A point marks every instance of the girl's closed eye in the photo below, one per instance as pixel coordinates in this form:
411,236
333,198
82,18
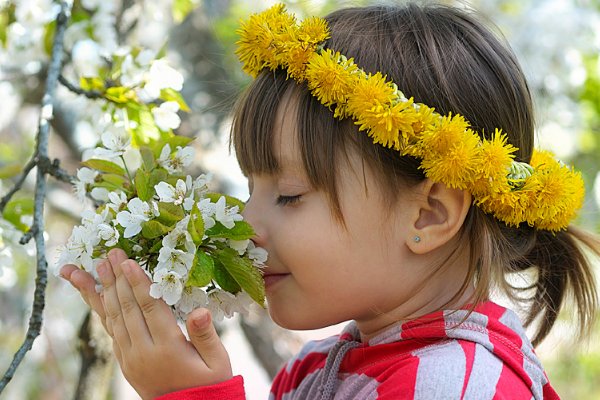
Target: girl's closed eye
288,200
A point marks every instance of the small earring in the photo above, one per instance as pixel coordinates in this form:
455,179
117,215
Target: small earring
417,238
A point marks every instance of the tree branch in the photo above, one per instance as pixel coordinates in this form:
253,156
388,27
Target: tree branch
36,318
90,94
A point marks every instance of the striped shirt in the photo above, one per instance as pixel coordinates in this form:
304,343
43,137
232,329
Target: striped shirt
443,355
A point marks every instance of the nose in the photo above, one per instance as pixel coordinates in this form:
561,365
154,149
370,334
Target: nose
254,216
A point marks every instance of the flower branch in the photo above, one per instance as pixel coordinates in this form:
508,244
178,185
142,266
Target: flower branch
36,318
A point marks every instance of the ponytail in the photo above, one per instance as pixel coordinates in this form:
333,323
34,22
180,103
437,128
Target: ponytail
564,270
557,267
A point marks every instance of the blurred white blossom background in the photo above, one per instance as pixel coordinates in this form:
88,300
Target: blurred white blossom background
187,46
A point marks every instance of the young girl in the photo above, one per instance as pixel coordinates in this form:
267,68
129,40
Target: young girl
383,208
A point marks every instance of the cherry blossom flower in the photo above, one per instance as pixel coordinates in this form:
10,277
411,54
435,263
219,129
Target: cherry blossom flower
175,260
115,143
170,194
174,163
239,245
162,76
167,285
165,116
108,233
139,212
226,215
207,210
85,177
191,298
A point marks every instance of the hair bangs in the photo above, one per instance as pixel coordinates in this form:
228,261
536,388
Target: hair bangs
254,121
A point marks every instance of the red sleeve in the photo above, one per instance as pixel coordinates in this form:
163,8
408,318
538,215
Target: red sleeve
233,389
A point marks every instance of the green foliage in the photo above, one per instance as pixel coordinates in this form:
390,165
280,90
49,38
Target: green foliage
241,231
154,228
17,208
170,214
104,166
202,271
196,226
242,271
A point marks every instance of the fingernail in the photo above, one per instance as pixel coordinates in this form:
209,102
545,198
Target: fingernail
202,321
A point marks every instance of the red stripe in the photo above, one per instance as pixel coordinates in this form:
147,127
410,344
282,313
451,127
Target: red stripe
469,350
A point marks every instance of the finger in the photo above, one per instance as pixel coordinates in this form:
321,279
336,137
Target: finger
204,337
159,318
112,306
132,313
107,322
116,256
86,285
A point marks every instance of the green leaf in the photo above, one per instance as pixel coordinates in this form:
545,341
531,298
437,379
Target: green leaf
104,166
247,276
169,94
145,132
242,230
153,228
196,226
170,214
202,271
117,180
91,84
224,278
119,94
49,32
158,175
15,209
177,140
229,200
148,160
144,191
10,170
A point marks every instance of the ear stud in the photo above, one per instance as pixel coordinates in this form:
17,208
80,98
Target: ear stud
417,239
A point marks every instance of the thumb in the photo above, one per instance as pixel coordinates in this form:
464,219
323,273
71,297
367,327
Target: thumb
204,338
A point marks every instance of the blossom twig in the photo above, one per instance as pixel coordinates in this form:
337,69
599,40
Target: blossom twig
35,321
6,198
90,94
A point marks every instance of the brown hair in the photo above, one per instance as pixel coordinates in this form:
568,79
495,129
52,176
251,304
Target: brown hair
445,58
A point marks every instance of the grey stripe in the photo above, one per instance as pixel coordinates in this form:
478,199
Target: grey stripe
484,375
357,387
441,371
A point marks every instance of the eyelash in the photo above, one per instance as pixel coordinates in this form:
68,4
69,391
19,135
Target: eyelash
288,200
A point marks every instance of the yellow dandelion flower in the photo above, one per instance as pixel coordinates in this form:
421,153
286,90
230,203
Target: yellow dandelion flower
259,35
559,192
426,118
457,166
299,56
496,157
313,30
371,91
330,76
388,125
442,134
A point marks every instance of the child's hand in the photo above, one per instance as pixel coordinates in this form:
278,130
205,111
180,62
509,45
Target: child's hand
154,355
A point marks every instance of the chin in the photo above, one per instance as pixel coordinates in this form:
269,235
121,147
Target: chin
297,323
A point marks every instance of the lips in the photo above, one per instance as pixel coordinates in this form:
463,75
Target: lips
271,279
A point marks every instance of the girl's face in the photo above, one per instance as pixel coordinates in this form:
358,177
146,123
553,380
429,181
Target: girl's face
320,272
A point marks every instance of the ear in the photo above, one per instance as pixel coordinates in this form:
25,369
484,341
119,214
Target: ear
440,213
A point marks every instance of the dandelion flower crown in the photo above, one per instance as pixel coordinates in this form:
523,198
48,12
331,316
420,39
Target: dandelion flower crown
545,193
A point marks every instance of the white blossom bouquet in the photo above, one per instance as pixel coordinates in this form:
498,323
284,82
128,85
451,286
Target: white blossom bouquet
193,244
